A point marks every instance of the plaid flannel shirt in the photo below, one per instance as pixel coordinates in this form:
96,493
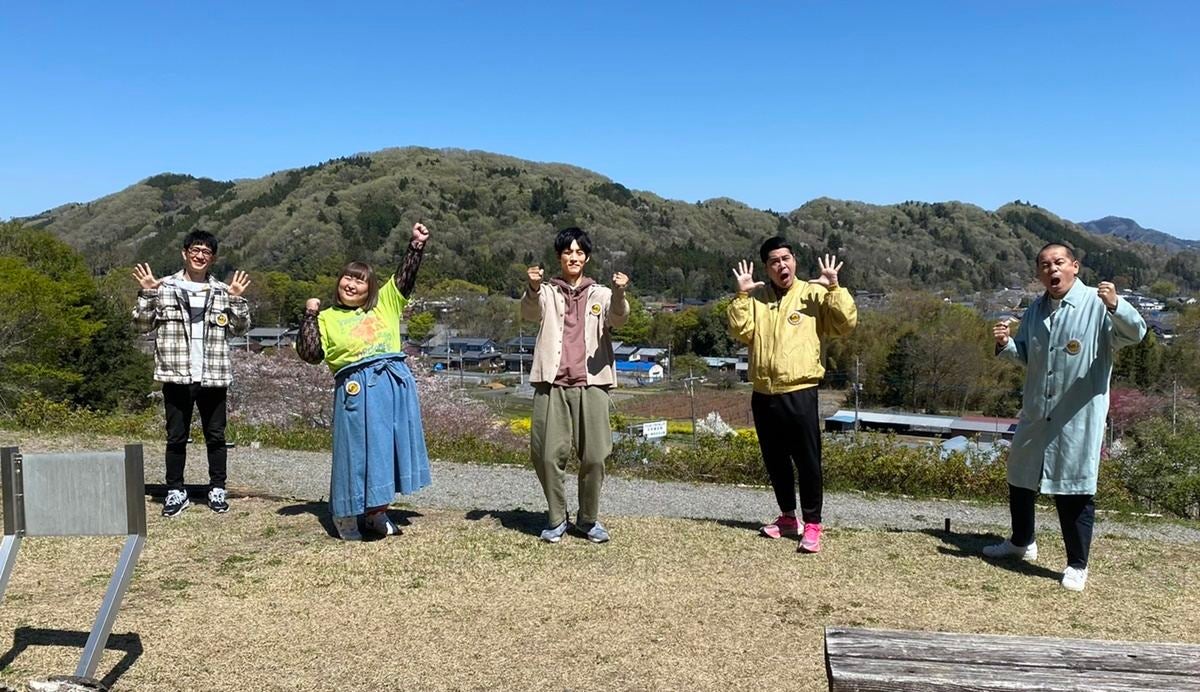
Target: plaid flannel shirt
166,308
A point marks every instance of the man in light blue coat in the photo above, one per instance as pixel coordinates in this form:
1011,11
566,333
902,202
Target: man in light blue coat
1067,341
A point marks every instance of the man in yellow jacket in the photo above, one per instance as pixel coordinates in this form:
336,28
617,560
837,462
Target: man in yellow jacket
784,323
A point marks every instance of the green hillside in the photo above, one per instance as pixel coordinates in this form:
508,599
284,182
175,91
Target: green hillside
492,215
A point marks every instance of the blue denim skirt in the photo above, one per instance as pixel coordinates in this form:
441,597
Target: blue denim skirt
378,442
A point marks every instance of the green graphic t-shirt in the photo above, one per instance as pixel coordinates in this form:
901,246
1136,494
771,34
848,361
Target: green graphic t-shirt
349,335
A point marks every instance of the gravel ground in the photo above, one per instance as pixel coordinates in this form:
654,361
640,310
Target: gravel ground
305,475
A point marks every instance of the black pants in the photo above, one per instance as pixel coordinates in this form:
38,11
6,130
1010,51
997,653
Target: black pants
178,399
789,432
1076,516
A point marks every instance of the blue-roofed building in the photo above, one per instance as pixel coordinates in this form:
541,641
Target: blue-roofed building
640,372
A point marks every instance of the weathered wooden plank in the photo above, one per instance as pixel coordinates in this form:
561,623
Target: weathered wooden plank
1049,653
879,675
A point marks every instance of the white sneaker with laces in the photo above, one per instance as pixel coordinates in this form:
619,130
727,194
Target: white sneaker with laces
347,528
381,523
176,502
1074,579
1008,550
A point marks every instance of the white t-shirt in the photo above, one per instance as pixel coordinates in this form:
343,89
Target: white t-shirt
197,294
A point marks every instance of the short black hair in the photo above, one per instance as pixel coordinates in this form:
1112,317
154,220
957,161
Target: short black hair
562,241
204,238
1070,250
773,244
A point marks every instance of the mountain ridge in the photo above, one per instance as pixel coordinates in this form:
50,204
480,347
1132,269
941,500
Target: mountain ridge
493,214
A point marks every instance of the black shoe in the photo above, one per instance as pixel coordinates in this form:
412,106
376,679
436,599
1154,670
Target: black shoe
217,501
177,501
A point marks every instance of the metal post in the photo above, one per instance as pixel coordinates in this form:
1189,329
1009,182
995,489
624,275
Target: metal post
117,586
14,514
9,548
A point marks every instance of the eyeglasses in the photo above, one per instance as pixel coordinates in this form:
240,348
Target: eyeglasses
200,251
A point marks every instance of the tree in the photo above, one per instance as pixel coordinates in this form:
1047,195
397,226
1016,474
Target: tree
114,374
1163,289
636,329
1141,364
48,298
421,325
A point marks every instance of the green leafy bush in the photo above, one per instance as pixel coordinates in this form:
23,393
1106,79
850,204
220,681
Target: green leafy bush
1162,467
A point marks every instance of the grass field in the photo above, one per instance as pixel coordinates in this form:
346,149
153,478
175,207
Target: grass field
263,599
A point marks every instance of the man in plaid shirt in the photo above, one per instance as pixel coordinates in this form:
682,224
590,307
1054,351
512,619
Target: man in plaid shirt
194,315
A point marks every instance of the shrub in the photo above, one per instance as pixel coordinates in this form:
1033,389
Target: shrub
1161,470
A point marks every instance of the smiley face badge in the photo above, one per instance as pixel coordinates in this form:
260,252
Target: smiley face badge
595,309
1073,347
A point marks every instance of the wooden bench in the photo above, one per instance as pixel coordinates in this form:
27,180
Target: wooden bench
862,660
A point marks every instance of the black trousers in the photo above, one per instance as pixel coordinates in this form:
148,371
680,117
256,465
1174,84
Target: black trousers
179,399
1076,516
789,435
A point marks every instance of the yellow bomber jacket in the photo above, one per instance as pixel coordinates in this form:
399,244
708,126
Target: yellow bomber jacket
784,334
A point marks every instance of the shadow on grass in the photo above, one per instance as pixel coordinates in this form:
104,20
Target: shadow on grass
522,520
970,545
320,510
751,526
25,637
195,491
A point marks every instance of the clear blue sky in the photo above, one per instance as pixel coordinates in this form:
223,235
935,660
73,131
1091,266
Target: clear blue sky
1085,108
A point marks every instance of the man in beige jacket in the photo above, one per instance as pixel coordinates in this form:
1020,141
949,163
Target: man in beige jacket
572,372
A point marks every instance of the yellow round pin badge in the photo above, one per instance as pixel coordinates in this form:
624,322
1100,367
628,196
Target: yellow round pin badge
596,309
353,388
1073,347
222,320
794,318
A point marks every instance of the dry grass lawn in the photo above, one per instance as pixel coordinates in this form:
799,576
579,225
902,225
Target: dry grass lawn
263,599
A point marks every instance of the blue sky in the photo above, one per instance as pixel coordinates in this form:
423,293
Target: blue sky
1085,108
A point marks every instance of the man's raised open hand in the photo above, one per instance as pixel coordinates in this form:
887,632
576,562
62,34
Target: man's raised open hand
829,268
744,275
241,280
145,277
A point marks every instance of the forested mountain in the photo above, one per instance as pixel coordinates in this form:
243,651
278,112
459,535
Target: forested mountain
492,215
1132,230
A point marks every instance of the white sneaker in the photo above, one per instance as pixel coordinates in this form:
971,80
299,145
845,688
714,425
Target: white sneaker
1008,550
347,528
1074,579
381,523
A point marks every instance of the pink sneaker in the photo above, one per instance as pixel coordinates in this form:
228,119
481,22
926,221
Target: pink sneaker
782,526
811,541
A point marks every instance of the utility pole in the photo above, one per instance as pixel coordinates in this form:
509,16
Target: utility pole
1174,396
690,382
857,389
460,368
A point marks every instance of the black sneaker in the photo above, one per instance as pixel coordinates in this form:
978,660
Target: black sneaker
177,501
217,501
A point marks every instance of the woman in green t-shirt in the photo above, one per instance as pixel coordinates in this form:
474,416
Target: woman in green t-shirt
378,442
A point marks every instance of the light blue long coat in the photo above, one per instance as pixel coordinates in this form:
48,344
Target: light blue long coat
1068,358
